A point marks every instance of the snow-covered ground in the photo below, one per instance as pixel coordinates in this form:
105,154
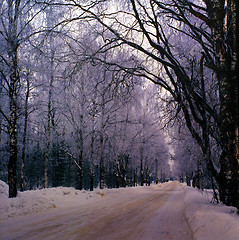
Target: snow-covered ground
168,211
42,200
210,221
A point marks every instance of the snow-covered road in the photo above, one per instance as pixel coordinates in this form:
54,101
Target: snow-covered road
155,212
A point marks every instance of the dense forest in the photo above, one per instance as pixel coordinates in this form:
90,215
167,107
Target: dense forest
119,93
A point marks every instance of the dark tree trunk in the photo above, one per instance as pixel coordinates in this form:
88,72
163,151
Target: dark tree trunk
12,165
12,41
237,91
117,173
124,163
91,181
226,75
91,158
102,174
141,167
188,178
102,164
48,134
156,171
80,162
135,177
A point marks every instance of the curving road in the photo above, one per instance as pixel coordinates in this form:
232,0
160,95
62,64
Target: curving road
148,213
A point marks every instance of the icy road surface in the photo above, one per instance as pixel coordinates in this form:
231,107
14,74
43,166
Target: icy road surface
155,212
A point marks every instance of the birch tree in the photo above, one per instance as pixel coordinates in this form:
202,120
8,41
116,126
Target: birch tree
16,16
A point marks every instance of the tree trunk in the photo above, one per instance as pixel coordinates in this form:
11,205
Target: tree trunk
156,171
81,148
237,87
48,133
102,165
124,164
91,157
117,173
141,167
135,177
12,41
91,180
223,35
12,165
47,153
22,184
50,22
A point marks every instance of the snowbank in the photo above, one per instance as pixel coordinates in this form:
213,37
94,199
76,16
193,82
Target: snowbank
210,221
61,197
41,200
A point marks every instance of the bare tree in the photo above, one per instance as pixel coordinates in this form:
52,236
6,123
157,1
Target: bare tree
16,17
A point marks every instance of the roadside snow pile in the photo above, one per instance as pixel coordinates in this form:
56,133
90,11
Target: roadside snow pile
40,200
3,189
209,221
25,202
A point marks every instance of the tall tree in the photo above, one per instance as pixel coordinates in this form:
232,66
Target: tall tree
24,141
16,17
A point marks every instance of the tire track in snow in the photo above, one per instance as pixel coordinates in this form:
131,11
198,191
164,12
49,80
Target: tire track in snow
159,215
152,213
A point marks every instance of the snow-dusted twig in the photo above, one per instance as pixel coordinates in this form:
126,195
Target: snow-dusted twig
74,159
